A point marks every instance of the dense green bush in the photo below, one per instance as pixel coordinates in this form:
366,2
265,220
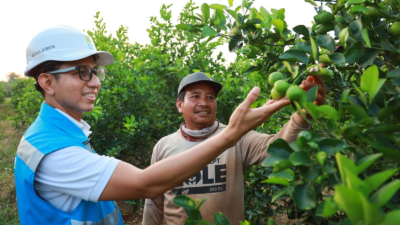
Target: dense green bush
2,94
26,102
352,151
349,160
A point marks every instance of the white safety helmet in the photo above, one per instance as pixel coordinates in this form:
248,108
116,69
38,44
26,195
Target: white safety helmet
62,43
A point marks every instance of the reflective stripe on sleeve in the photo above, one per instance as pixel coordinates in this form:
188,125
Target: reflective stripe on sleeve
29,154
110,219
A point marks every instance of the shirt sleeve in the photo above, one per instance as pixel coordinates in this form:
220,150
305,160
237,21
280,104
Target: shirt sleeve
154,208
254,145
76,172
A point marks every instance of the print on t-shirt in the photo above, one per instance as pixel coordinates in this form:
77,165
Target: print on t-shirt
211,179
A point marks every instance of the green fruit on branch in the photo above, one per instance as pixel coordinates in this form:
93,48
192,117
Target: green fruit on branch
235,31
321,157
273,77
281,86
324,17
319,70
277,65
394,30
339,19
324,58
277,95
372,12
323,28
294,93
271,222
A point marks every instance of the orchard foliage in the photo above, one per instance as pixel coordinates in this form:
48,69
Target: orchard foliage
349,160
343,171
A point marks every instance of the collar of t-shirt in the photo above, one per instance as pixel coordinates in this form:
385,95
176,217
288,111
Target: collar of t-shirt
82,124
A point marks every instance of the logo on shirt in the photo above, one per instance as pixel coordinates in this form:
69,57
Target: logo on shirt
211,179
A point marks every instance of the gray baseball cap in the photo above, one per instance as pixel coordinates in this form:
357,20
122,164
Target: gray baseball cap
197,78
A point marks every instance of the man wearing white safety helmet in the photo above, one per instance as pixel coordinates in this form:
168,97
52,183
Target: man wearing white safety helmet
59,179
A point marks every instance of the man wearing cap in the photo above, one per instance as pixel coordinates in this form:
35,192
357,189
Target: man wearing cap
221,181
59,178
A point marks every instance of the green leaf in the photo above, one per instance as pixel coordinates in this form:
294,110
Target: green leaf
367,161
283,174
394,73
312,109
349,201
288,66
314,48
208,31
331,146
378,179
359,8
385,193
184,26
369,80
326,41
343,36
278,194
279,24
300,158
366,37
381,82
354,54
234,15
344,95
304,196
346,166
355,29
301,29
391,218
220,219
276,180
205,9
278,151
352,2
202,222
356,111
218,6
338,58
230,2
396,82
282,165
368,57
195,214
390,152
185,202
311,2
330,208
312,94
327,112
190,221
385,128
296,55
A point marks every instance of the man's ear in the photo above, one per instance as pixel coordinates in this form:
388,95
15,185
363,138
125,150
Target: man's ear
179,106
46,81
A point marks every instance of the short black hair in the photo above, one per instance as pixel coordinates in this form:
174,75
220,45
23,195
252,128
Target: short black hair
46,67
181,96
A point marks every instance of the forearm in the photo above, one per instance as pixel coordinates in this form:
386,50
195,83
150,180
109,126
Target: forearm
129,182
172,171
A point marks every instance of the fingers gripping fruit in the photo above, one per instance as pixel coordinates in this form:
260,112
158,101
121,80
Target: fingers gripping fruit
273,77
294,93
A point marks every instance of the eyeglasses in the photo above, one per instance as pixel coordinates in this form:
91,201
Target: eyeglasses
85,72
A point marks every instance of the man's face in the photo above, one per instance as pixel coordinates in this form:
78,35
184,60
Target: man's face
199,106
73,95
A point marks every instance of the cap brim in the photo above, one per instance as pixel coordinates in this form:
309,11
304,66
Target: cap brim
104,59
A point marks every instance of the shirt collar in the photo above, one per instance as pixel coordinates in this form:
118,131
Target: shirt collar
85,127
